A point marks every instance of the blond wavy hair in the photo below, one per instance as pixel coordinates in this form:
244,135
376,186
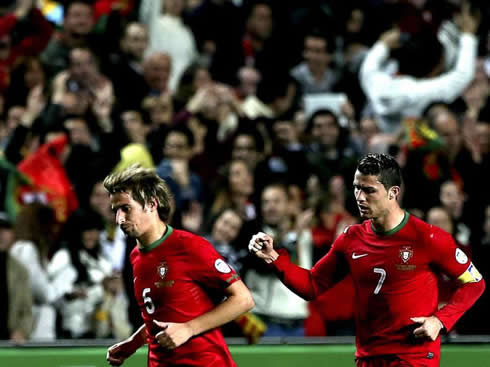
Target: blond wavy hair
143,184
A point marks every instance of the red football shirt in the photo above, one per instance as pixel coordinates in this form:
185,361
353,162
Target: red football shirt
174,280
395,278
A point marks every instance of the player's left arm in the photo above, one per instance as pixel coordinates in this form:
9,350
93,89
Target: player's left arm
210,269
454,263
239,300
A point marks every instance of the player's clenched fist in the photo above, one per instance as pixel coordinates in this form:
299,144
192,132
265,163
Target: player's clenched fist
261,245
119,352
172,334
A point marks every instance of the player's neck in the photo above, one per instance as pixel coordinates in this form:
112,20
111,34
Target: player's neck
391,220
157,232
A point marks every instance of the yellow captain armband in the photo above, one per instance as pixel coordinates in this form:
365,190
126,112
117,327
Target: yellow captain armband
471,275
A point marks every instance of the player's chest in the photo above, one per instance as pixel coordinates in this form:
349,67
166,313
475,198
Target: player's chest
397,259
161,273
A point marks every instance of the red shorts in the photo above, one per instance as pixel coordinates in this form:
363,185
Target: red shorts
401,360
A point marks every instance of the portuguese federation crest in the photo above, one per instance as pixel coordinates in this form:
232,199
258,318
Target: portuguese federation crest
406,253
162,269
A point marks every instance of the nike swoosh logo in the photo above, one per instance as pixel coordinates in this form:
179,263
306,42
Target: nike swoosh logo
354,256
134,279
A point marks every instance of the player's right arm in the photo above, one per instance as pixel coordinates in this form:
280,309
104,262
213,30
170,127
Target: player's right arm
307,284
118,353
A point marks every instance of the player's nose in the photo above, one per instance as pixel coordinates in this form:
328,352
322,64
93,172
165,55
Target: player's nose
120,218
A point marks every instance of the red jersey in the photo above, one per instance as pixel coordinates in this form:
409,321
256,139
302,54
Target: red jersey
174,279
395,278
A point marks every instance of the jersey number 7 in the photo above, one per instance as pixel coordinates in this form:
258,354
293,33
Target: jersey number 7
381,280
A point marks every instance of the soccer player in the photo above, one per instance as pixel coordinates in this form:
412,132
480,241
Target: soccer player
393,258
176,275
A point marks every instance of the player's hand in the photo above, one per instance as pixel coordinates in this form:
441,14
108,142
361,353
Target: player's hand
173,335
261,245
117,354
429,328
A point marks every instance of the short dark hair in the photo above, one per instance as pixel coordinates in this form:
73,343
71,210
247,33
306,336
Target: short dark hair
321,112
384,166
323,35
247,129
184,130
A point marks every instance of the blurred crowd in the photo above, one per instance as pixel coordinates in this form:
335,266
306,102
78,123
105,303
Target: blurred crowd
255,112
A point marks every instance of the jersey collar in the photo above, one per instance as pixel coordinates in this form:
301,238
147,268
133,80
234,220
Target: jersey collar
151,246
406,216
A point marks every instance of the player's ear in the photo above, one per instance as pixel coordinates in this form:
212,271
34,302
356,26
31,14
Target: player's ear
150,205
393,192
154,203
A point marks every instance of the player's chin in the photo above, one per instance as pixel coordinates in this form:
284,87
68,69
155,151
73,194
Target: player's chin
129,232
364,213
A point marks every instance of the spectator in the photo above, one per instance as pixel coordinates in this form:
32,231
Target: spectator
225,237
287,160
453,200
185,185
34,31
193,78
217,104
136,150
169,34
316,74
25,76
284,312
224,232
77,25
35,232
277,94
248,145
454,161
160,110
332,151
16,310
83,77
249,79
112,240
111,317
368,133
218,28
262,48
394,97
156,71
135,127
82,266
236,191
14,118
124,66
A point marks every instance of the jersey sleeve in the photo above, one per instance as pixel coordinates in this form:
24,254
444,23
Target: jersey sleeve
454,262
332,267
448,257
208,267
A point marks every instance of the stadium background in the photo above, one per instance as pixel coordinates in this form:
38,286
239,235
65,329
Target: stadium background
473,352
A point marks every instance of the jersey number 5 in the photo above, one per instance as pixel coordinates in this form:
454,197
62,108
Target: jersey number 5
150,307
381,280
